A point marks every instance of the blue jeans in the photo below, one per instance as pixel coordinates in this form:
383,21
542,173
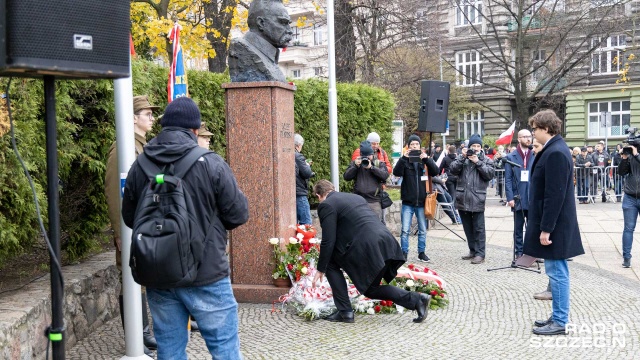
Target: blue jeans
214,308
303,211
558,273
406,217
630,210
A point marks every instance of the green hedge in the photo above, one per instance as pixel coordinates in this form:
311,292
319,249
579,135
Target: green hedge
86,129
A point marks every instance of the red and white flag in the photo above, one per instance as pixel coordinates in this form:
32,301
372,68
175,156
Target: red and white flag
506,137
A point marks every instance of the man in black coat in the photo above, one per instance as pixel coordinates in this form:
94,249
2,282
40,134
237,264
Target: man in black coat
354,240
552,231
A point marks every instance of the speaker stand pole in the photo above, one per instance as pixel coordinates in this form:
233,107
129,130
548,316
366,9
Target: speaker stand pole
56,332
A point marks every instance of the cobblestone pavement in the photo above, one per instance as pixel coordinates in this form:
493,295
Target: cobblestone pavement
490,316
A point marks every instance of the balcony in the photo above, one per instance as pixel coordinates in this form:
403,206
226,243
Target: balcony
533,23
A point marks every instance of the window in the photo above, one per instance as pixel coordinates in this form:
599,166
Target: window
540,69
318,71
318,35
469,68
606,58
296,74
296,34
620,118
468,12
471,123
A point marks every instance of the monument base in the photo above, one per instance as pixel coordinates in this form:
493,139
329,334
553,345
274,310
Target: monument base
257,294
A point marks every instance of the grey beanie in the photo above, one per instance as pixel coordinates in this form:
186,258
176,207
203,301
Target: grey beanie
182,112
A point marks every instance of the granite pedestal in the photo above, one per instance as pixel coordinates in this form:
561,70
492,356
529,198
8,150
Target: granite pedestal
260,152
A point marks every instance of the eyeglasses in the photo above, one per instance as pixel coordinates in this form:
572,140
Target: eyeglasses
533,129
524,137
149,115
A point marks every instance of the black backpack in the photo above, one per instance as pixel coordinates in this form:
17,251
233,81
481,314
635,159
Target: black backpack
167,241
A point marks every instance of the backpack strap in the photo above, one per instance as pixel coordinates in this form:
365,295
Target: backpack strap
182,166
149,167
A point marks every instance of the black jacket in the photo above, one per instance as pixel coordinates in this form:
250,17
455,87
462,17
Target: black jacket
368,182
552,205
631,167
354,238
413,189
473,180
213,190
303,173
445,164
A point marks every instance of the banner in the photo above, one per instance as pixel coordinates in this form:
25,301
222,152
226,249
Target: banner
506,137
177,86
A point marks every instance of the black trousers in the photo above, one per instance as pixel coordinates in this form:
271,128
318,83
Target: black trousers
519,217
402,297
473,225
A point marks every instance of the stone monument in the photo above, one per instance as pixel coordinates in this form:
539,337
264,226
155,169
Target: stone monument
260,150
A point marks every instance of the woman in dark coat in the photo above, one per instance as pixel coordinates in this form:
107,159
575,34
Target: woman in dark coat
552,229
354,240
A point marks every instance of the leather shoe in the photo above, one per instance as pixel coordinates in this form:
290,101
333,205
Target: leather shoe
148,352
422,308
541,323
543,295
341,316
148,339
550,329
194,326
469,256
477,260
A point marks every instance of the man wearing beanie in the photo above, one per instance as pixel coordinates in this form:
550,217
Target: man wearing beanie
369,174
374,139
218,205
413,193
142,123
474,171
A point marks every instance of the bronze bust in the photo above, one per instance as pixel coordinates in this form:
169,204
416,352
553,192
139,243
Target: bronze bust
254,57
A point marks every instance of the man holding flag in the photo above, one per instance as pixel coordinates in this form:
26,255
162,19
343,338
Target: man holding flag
177,86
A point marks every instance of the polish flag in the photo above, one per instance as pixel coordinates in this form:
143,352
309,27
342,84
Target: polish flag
506,137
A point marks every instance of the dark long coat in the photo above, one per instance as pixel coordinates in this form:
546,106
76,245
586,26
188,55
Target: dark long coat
356,240
512,180
552,206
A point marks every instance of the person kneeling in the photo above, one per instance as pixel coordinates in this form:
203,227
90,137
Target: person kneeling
366,256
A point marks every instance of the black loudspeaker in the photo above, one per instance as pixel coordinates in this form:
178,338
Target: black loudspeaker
434,106
65,38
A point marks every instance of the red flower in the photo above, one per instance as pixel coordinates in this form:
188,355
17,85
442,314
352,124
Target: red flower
289,267
411,266
389,303
377,308
434,293
441,295
426,270
383,302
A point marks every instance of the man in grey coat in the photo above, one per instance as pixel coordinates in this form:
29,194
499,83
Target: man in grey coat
474,171
367,256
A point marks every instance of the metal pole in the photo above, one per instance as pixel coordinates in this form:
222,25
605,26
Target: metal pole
56,334
333,98
444,138
125,144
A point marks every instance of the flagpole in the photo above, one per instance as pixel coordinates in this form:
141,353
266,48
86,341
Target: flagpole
333,98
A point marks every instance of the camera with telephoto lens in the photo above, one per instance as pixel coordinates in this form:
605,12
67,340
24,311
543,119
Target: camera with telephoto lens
470,152
632,139
364,161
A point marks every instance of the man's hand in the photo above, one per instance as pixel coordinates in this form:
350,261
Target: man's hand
511,203
358,161
544,238
317,277
473,158
368,166
118,243
423,155
587,164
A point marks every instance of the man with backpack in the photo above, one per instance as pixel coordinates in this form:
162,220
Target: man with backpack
180,200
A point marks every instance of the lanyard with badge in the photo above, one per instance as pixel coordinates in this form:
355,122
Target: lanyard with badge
524,173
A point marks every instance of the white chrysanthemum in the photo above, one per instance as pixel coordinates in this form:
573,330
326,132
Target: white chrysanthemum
293,240
274,241
300,236
313,241
410,282
370,311
304,270
400,309
361,308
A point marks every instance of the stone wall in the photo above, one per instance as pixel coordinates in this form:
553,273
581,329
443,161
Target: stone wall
91,299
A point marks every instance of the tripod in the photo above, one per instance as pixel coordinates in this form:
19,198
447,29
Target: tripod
528,259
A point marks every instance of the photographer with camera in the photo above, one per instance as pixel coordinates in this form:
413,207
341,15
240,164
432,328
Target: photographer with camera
411,166
303,174
474,171
369,174
630,166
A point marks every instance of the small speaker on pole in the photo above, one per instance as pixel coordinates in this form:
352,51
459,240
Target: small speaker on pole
69,39
434,106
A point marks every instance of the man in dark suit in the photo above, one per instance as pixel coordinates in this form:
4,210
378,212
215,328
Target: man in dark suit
552,230
354,240
517,187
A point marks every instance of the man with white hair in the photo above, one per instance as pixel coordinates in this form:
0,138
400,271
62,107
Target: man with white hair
303,174
374,139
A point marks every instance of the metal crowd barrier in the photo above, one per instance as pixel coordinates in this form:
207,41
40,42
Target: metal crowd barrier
496,189
595,184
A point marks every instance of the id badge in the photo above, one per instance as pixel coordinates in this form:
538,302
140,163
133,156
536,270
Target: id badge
524,176
595,171
424,178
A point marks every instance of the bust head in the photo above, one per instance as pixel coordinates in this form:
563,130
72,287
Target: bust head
270,19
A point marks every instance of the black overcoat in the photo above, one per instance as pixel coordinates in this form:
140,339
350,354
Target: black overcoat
356,240
552,206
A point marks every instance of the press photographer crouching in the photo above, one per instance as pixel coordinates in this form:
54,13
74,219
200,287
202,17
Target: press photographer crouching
474,171
630,166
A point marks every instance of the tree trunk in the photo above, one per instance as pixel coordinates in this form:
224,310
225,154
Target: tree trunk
345,42
218,64
220,21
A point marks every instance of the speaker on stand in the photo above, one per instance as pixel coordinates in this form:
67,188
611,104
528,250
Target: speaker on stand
68,39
